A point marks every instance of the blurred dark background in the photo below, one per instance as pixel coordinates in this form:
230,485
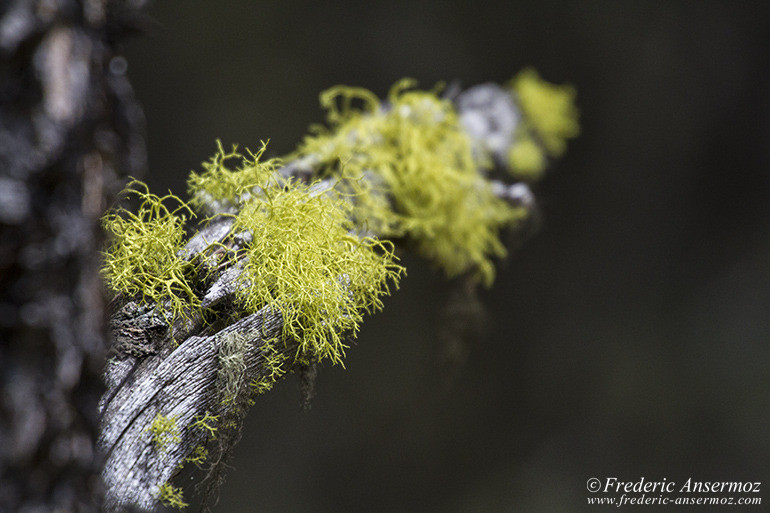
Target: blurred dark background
630,337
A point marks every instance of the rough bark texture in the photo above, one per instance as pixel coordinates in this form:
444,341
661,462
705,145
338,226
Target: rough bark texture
147,376
68,126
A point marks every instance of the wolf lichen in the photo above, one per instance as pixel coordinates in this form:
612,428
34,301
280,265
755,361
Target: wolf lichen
550,116
302,258
164,431
223,190
198,456
143,257
417,149
305,263
274,369
206,422
171,496
526,159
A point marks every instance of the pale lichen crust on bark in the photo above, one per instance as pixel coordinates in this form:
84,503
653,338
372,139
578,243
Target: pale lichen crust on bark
289,254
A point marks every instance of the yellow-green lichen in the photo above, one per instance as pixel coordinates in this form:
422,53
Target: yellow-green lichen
304,263
171,496
227,188
274,369
262,385
198,456
421,160
143,257
301,257
164,431
206,422
526,158
549,110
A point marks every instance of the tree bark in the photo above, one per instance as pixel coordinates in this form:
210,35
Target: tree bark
69,126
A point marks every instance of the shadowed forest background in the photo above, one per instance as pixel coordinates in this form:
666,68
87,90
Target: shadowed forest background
630,337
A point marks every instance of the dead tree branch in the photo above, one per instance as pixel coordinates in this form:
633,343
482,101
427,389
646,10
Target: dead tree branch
148,377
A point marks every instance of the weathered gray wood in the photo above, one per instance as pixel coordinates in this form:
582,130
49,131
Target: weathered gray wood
175,383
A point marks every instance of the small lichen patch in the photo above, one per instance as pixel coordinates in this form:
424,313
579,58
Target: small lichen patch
232,366
526,158
274,369
206,422
548,108
198,456
171,496
164,431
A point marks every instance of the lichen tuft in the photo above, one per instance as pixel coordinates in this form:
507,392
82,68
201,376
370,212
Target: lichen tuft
526,158
302,256
304,262
274,368
164,431
198,456
232,366
220,189
207,423
144,258
427,183
171,496
549,110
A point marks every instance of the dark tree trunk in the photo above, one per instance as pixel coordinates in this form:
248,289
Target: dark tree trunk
69,127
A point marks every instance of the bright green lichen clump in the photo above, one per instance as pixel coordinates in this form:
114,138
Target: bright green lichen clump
416,149
143,258
304,263
302,258
550,118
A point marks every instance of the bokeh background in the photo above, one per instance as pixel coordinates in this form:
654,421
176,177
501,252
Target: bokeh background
630,337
